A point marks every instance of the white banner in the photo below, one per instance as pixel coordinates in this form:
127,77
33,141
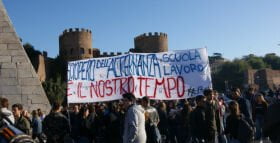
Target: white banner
163,76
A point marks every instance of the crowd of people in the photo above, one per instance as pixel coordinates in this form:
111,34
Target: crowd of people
239,117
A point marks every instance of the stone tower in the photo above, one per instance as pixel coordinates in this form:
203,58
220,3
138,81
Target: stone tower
150,43
19,82
76,44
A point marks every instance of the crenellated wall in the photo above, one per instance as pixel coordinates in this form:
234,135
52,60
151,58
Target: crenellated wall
110,54
150,43
76,44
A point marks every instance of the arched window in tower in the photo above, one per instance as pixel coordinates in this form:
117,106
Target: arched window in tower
82,51
71,51
89,51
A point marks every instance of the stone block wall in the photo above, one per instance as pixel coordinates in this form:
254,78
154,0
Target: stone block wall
264,78
18,79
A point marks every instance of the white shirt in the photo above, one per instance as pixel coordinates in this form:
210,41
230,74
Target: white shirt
9,115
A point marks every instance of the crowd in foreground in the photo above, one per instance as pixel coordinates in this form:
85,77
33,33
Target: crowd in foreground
208,118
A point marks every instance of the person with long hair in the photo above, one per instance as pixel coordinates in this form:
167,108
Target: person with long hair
259,110
163,124
239,128
271,126
36,125
232,122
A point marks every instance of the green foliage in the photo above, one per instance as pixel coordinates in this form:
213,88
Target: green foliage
215,57
32,54
55,89
272,60
55,85
57,67
255,62
230,72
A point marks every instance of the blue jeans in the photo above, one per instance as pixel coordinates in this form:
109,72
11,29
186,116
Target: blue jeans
222,139
259,124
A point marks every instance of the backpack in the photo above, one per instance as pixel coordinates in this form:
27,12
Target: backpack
245,130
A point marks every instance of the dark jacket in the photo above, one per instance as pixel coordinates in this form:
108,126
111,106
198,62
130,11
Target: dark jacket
212,120
245,107
198,123
113,132
84,127
259,110
163,125
183,129
272,122
56,127
232,123
75,124
23,124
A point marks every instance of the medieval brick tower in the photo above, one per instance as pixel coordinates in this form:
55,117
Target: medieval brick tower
150,43
76,44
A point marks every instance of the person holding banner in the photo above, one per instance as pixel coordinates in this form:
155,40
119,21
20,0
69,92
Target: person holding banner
134,123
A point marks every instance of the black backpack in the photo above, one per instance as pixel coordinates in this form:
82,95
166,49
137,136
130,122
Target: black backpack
245,130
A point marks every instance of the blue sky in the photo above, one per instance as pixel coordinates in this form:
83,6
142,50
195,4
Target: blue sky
232,27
